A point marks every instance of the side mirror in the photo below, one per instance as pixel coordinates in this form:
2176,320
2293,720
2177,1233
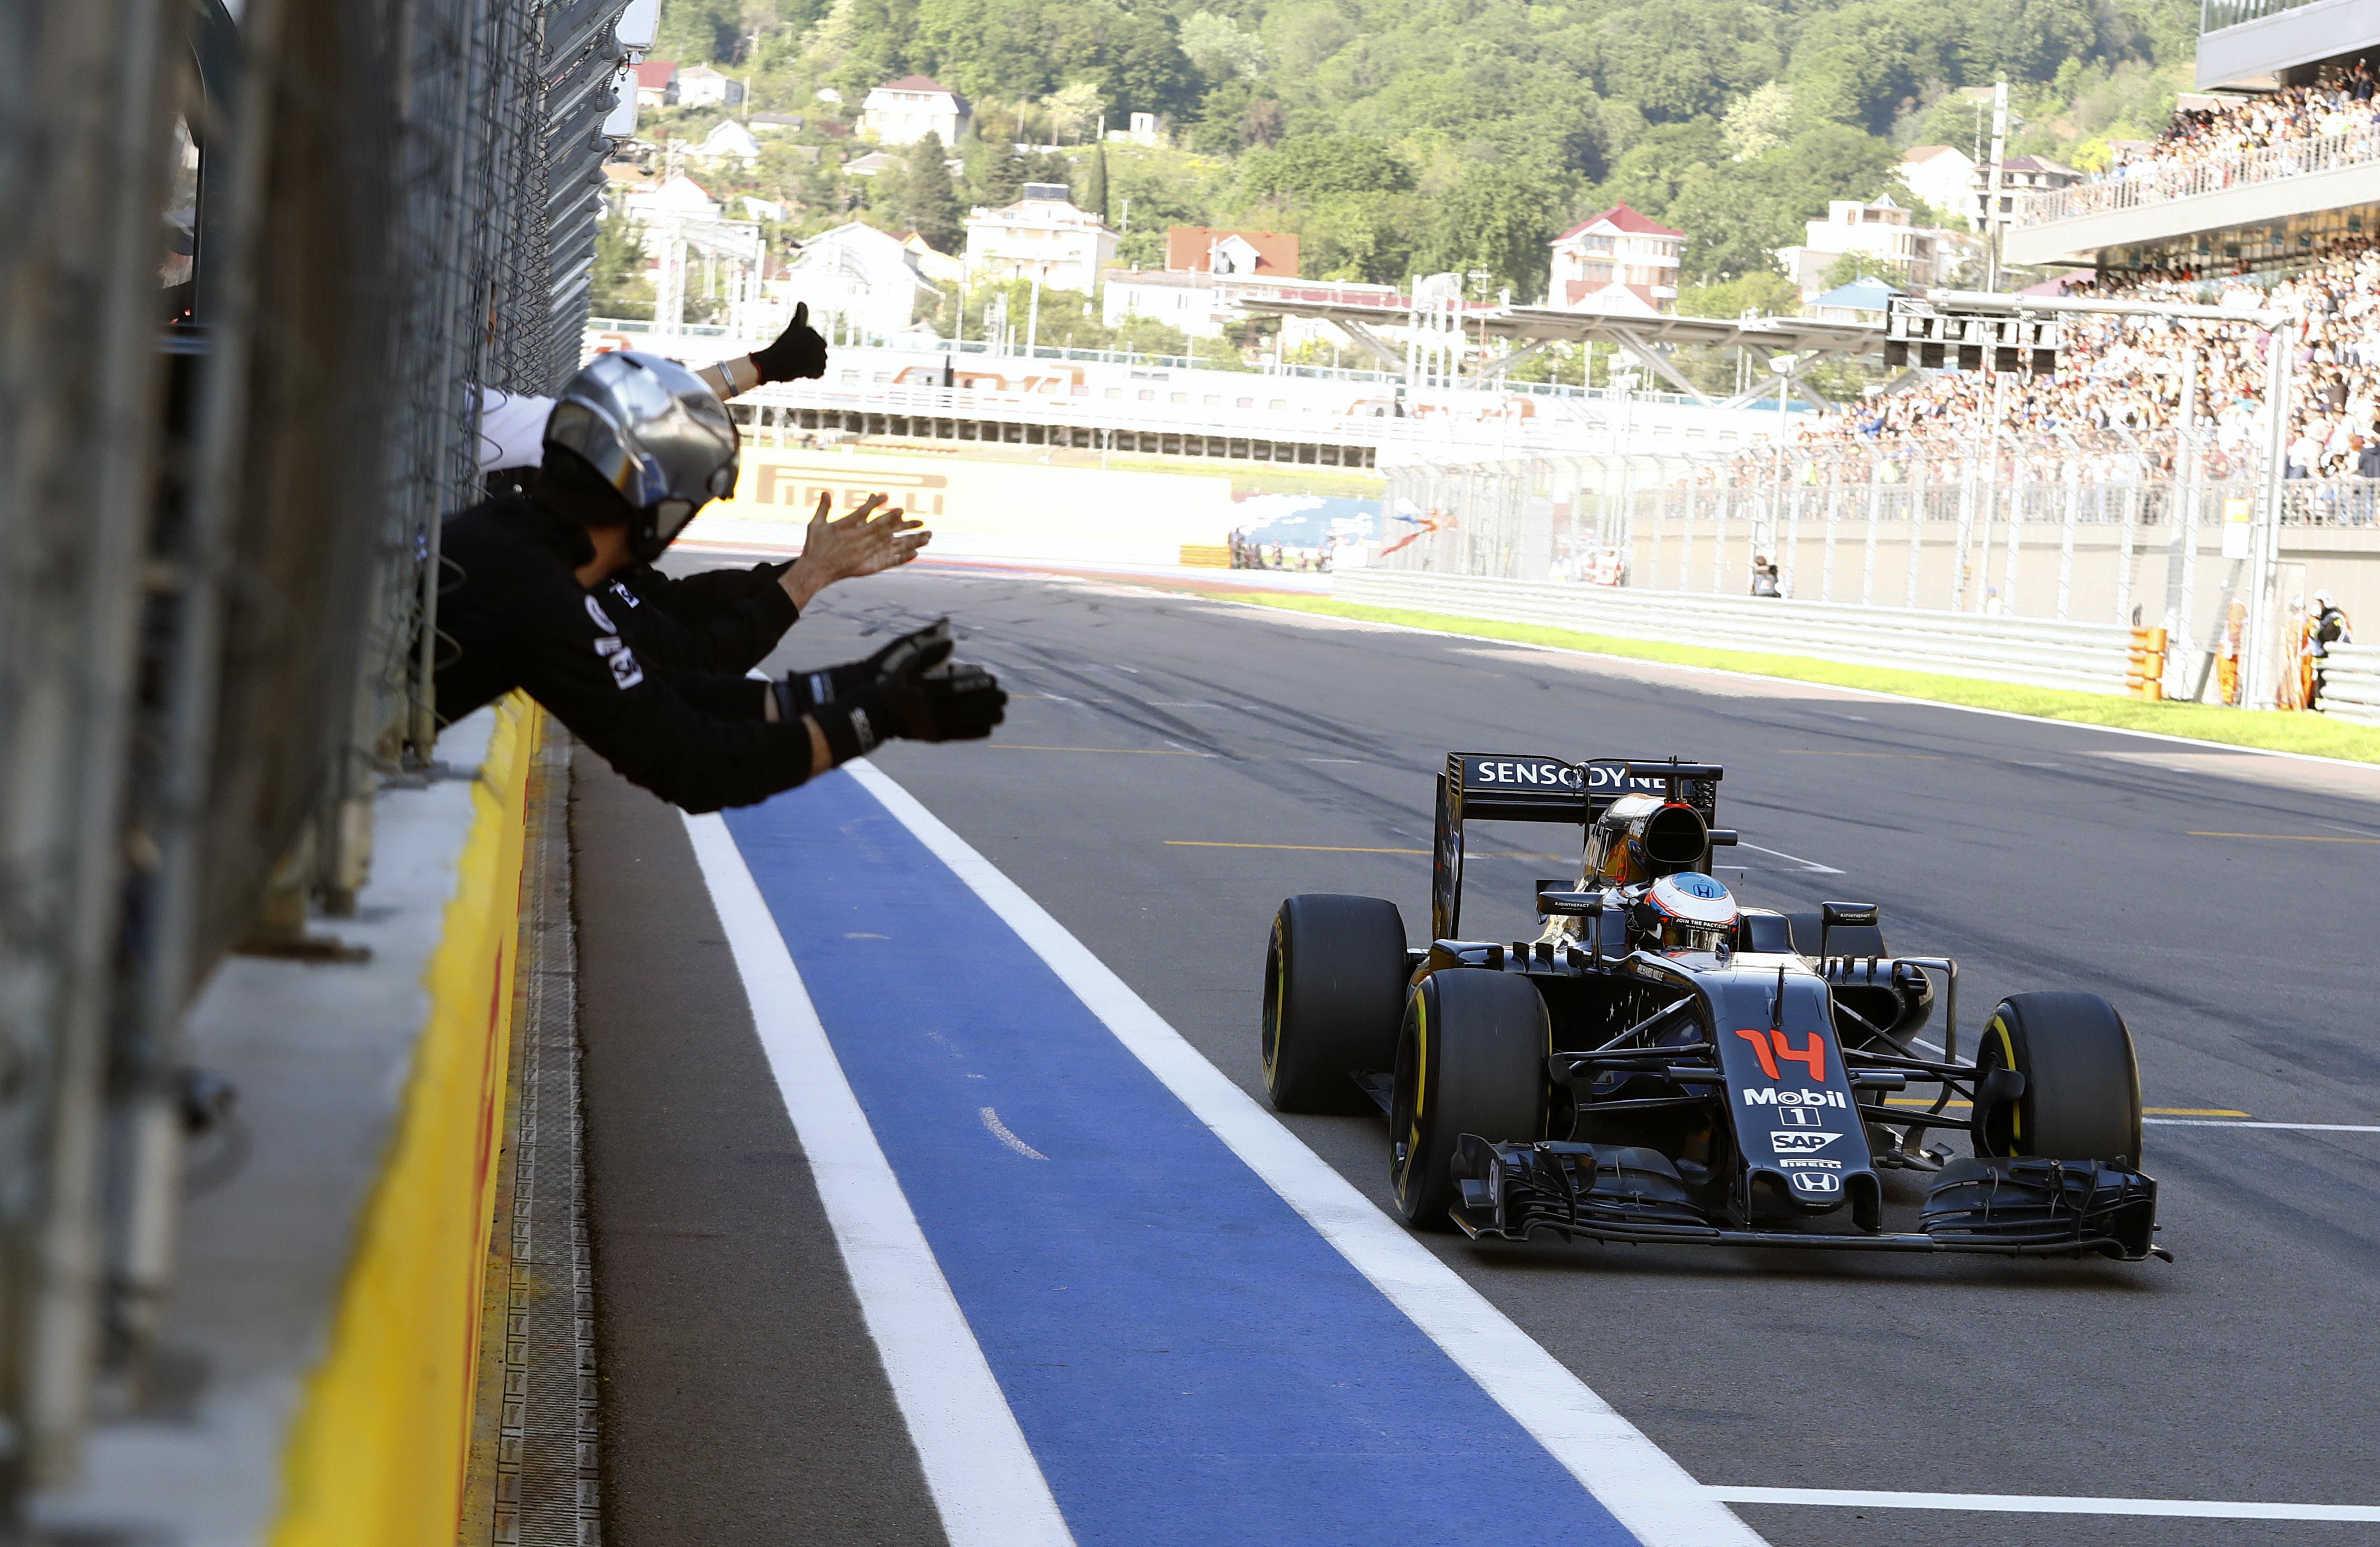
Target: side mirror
1841,915
1577,904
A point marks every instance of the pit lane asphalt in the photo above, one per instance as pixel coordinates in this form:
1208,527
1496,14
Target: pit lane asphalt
2042,856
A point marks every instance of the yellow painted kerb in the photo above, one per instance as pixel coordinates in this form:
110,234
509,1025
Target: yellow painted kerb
377,1455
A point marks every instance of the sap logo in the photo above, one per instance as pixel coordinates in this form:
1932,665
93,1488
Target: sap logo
1825,1165
1821,1183
1794,1098
1541,776
1801,1143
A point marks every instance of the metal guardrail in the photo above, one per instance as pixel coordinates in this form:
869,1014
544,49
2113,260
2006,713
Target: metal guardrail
1475,429
2082,657
2351,683
2139,185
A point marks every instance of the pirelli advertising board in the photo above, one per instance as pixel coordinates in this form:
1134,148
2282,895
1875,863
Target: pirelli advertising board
978,508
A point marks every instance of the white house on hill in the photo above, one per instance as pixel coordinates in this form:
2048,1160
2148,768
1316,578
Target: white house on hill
700,86
1042,234
1618,260
1944,176
860,274
729,142
680,196
902,112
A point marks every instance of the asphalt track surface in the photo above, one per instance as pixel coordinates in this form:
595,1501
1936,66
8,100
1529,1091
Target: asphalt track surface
1173,765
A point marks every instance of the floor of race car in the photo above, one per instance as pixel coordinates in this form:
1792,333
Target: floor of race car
1035,1265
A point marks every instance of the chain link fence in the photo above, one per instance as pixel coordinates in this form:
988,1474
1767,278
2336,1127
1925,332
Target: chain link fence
227,437
2097,527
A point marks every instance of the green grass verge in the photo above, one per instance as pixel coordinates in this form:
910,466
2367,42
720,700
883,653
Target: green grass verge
2313,734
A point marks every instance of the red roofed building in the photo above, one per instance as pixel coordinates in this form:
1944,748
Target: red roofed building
1618,260
656,82
1250,254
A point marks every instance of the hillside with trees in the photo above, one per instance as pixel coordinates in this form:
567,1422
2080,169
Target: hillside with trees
1434,134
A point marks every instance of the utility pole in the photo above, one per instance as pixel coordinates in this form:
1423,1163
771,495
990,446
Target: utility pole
1992,199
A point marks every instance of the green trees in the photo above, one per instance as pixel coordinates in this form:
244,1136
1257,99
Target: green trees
1094,193
933,205
1400,136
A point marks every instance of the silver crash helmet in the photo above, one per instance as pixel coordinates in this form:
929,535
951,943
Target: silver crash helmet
1688,911
650,429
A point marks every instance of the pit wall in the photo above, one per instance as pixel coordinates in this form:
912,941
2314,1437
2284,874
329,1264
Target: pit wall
978,509
378,1454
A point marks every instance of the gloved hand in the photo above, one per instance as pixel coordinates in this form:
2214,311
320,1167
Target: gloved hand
915,691
797,352
798,693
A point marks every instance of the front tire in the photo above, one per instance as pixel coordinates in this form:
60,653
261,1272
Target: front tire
1334,983
2082,1096
1470,1058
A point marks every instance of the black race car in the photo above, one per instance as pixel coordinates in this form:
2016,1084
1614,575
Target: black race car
1661,1066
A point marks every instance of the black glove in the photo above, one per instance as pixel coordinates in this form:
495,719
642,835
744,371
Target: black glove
800,692
917,693
798,351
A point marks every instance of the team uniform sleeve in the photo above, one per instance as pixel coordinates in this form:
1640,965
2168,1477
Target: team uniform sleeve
721,633
575,661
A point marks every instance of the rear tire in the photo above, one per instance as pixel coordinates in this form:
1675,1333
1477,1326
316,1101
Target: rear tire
1334,983
2081,1098
1470,1058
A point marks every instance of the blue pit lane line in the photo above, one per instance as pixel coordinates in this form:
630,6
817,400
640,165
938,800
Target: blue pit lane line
1190,1362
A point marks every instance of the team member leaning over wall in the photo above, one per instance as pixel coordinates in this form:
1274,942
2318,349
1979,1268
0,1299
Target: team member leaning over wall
724,620
633,447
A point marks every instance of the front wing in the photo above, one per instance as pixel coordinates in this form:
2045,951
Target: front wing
2012,1207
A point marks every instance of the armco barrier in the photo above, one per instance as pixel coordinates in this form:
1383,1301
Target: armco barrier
2351,684
2084,657
377,1457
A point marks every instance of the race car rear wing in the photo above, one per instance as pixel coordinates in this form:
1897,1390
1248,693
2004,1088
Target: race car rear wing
1513,786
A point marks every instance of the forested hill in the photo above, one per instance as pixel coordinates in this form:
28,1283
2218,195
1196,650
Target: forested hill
1403,138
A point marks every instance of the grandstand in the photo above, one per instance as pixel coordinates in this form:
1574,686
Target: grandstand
2277,163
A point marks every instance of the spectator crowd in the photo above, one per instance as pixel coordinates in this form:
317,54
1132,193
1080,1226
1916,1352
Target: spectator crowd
2121,383
2300,128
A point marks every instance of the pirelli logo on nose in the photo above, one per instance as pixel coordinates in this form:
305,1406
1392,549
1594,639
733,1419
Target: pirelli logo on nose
799,484
1551,776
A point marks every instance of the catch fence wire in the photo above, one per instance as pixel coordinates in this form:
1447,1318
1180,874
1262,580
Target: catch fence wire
2093,525
219,560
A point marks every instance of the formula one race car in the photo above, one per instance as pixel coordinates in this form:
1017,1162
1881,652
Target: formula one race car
1660,1064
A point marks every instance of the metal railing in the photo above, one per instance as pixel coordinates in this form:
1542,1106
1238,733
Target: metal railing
2101,529
223,458
2142,184
2216,15
2085,657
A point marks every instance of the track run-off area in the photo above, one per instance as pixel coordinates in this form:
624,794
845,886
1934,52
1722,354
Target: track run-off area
934,1197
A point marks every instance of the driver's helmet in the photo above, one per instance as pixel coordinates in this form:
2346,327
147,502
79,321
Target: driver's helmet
1688,911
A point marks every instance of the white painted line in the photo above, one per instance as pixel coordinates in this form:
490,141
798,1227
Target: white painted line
1645,1490
997,1129
986,1484
1810,865
2232,1123
2039,1503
